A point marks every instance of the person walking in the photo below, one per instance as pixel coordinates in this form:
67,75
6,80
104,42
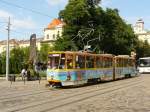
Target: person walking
23,73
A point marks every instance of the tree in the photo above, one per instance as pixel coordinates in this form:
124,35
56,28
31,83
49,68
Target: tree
80,19
19,58
118,36
3,63
142,49
86,21
43,53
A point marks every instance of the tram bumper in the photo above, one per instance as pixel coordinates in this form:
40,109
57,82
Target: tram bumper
72,83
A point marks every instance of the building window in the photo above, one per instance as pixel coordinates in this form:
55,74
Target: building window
47,36
58,33
53,36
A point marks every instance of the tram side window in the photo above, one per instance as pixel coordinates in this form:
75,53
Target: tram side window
80,61
118,62
90,61
62,62
126,62
69,61
121,62
99,62
108,62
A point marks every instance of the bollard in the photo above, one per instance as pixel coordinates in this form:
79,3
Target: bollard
11,78
39,79
24,79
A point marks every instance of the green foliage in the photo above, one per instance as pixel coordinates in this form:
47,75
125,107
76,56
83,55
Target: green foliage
3,63
118,36
43,53
142,49
18,60
85,20
42,73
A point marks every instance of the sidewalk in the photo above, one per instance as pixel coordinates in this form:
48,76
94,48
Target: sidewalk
19,84
20,78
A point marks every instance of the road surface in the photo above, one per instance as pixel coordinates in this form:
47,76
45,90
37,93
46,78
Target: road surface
128,95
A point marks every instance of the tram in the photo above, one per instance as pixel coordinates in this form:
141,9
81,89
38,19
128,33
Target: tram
75,68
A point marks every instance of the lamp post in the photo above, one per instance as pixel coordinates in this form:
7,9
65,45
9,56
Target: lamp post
7,51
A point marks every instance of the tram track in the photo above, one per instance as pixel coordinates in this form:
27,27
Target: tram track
84,95
15,95
16,89
87,97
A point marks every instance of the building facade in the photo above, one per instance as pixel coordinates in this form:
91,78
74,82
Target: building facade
139,30
13,43
52,31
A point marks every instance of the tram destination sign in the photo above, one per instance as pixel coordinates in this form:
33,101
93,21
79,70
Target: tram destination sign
53,55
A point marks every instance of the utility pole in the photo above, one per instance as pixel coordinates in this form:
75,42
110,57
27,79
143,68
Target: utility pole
7,51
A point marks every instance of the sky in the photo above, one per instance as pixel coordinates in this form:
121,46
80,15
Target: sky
32,16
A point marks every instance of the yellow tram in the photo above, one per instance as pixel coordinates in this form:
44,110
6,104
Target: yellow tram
75,68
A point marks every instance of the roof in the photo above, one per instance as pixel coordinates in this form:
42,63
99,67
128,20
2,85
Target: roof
11,41
55,23
79,53
140,21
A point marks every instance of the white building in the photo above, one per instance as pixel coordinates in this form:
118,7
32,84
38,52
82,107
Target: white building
141,32
12,44
53,30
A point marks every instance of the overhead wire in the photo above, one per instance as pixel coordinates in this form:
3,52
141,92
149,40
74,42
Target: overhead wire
24,8
27,9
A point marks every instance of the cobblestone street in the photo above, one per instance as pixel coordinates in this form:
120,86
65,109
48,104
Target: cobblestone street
128,95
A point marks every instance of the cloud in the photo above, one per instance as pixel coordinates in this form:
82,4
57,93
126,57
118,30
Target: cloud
17,23
106,3
23,23
56,2
5,14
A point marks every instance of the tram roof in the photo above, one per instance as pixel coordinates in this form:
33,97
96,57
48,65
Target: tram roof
124,56
78,52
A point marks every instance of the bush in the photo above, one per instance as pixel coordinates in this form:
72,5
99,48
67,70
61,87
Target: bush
42,73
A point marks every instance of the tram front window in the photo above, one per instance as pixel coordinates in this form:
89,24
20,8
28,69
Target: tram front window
53,61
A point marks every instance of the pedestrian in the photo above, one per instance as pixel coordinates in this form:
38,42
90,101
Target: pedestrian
23,73
37,70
